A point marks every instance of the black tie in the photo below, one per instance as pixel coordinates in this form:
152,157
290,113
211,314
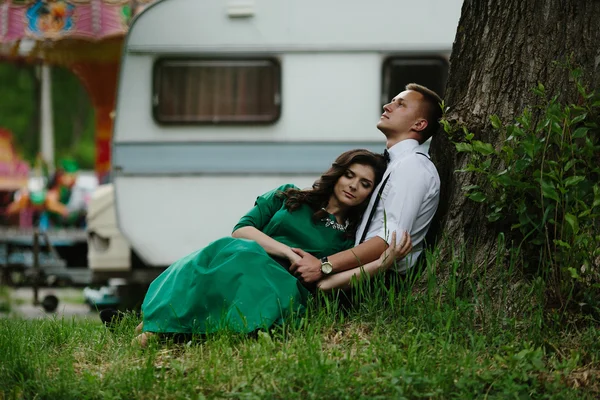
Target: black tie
386,156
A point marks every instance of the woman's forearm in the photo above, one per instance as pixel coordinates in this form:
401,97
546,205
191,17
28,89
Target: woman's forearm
271,246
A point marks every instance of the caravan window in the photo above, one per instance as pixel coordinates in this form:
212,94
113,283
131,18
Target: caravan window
400,71
216,91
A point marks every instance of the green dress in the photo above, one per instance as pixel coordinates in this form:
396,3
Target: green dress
233,284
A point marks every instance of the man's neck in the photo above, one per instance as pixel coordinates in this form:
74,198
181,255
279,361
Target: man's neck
394,139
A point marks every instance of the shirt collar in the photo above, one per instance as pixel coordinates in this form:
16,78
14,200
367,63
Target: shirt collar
401,148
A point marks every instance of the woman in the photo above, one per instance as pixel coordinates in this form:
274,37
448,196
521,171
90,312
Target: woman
241,283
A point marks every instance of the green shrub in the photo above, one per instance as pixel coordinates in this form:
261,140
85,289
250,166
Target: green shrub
540,182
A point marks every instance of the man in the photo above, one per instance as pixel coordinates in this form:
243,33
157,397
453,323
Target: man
406,199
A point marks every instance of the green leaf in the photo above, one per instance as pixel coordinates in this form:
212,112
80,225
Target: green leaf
580,132
537,362
578,118
495,121
585,213
573,180
446,125
528,148
539,90
477,196
493,217
573,272
549,190
504,179
463,147
543,124
521,165
483,148
562,244
573,222
522,354
570,164
541,87
468,188
557,128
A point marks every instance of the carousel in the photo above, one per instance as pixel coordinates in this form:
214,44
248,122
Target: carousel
85,37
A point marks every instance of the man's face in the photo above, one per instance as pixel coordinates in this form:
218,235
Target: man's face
402,114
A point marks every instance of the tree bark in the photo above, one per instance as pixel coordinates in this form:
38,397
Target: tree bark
502,49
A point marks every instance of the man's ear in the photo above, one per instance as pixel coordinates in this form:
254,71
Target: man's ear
420,125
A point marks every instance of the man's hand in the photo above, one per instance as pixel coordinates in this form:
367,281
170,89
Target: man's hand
396,251
307,269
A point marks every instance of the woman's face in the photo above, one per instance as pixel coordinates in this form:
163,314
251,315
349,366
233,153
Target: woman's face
355,185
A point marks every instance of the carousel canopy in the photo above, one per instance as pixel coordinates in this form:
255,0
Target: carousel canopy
61,19
65,31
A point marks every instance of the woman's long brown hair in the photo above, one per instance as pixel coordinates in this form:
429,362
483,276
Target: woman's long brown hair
318,197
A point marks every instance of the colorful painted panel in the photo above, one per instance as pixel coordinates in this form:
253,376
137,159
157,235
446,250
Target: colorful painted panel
61,19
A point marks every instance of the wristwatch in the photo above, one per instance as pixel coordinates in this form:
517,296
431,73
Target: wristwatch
326,267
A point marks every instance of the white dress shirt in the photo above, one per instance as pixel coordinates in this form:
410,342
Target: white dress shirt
408,201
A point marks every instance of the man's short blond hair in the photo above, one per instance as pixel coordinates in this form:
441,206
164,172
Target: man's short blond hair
432,103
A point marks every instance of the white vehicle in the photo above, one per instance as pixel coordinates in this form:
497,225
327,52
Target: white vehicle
220,101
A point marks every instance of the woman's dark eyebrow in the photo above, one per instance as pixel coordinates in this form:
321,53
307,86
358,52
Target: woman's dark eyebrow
362,179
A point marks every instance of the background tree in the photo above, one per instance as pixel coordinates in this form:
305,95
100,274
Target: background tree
503,49
72,112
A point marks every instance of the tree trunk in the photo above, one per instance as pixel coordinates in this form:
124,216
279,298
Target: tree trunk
503,48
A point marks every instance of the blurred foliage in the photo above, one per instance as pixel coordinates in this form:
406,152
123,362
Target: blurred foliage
73,114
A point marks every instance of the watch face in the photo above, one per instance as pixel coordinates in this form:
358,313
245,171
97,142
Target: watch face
326,268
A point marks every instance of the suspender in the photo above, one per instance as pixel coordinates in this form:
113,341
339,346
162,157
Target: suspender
376,203
362,239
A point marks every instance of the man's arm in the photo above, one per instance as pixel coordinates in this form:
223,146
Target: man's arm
362,254
308,269
344,280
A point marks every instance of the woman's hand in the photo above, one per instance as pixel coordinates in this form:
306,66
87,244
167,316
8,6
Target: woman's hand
395,251
292,257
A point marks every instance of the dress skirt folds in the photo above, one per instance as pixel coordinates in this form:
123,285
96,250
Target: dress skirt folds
233,284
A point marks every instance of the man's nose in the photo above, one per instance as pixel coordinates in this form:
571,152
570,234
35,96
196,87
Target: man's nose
387,107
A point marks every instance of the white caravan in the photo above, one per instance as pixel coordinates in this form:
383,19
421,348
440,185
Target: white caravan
220,101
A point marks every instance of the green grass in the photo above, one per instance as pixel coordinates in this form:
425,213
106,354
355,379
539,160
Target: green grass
5,300
444,338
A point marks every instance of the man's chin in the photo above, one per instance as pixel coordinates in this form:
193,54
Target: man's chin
382,126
